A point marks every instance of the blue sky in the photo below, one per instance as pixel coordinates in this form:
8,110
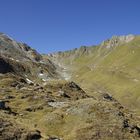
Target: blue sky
56,25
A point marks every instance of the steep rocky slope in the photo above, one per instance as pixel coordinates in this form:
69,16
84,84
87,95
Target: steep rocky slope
54,108
21,59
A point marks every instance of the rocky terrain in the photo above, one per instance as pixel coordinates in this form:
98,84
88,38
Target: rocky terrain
41,100
24,61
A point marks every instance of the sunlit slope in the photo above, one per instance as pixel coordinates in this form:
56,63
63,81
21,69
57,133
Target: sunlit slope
114,69
117,71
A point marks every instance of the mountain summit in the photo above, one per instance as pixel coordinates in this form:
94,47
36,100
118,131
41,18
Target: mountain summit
117,40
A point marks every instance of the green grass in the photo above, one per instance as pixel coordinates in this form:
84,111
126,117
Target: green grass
116,70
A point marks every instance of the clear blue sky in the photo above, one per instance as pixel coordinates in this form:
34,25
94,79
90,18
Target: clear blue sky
53,25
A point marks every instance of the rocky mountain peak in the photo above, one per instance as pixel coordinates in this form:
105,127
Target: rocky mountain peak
20,58
117,40
20,51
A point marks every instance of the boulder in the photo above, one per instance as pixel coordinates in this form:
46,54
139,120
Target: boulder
34,135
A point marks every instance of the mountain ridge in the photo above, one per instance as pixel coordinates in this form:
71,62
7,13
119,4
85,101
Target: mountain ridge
113,41
117,63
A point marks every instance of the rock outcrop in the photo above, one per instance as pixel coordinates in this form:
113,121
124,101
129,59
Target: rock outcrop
19,58
117,40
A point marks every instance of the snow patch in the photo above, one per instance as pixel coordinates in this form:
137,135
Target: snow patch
12,59
41,74
44,80
29,81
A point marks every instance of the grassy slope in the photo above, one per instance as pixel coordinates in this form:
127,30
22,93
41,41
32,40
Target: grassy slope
82,119
115,70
